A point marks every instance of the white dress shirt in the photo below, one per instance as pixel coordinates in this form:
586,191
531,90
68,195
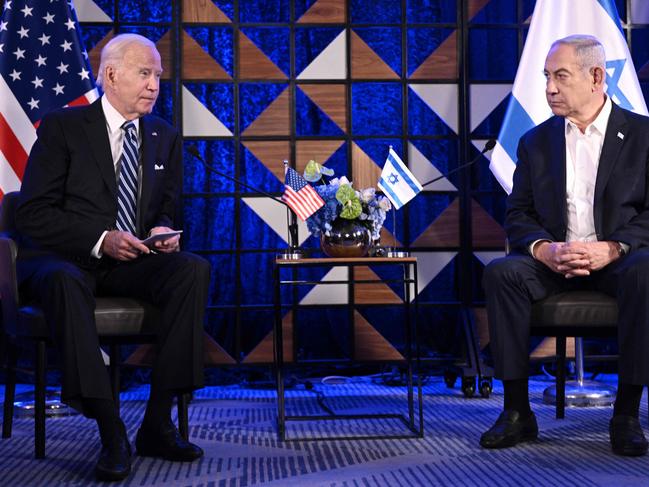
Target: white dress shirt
114,122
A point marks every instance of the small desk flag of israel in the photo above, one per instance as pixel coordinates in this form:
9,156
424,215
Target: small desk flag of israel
397,182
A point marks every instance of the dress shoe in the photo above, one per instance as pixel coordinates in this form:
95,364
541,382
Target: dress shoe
114,461
165,442
626,435
509,430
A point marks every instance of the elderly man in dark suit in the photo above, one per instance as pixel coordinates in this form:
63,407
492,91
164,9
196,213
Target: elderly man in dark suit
577,218
99,179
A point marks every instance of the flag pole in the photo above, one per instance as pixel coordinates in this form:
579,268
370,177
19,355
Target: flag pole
293,252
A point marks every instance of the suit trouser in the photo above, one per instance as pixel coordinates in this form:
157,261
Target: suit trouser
514,282
176,283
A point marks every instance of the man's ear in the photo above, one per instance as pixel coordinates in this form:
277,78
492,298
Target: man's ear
599,76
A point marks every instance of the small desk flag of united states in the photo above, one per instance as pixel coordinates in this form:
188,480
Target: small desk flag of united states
300,196
397,182
43,66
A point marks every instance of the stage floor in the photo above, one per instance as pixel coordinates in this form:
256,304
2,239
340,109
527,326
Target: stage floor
236,428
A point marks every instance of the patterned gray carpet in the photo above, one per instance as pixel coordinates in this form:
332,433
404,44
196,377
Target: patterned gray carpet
236,428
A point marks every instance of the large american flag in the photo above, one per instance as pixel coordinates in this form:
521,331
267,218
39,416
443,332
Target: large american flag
300,196
43,66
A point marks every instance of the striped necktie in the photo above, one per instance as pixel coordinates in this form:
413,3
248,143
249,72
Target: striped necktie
127,189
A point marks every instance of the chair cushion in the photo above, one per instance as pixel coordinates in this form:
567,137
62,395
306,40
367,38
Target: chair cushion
575,309
114,317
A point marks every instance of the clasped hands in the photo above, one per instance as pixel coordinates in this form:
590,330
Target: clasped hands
125,246
574,259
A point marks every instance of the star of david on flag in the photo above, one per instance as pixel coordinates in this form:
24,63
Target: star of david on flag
552,20
300,196
43,66
397,182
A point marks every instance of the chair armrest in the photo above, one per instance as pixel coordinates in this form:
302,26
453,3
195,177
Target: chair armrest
8,284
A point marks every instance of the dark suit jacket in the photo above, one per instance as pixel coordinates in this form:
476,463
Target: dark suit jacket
69,191
536,207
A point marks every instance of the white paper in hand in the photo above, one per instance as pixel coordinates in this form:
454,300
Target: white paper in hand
159,237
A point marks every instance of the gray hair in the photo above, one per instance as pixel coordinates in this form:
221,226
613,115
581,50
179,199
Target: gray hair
113,52
589,51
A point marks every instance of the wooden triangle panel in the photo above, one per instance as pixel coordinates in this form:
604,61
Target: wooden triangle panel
332,99
485,231
263,352
444,231
253,63
95,53
318,150
379,293
365,172
442,62
203,11
198,64
366,63
271,154
214,354
387,238
643,73
474,7
481,326
370,344
142,356
325,12
272,121
164,48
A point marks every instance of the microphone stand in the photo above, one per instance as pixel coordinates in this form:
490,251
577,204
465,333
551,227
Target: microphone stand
491,143
293,252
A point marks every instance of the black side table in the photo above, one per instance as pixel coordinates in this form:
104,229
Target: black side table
408,273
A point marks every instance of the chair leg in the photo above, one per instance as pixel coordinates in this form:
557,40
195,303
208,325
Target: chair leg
39,400
114,373
561,378
10,390
183,416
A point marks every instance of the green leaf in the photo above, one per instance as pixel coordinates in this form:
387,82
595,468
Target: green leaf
345,193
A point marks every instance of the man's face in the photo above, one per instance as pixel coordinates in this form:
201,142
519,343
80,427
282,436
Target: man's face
569,90
135,82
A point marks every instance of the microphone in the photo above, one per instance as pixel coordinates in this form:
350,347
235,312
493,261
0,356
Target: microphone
491,143
292,226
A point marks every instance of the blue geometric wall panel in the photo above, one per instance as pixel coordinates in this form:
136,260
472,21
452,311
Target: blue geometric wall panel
310,120
422,120
108,6
148,31
218,42
219,154
164,106
257,286
332,327
310,42
378,149
218,98
224,274
92,34
252,11
338,162
490,126
442,153
499,48
422,41
386,42
496,12
255,233
375,11
377,109
209,223
389,321
424,209
254,98
139,11
301,6
226,6
428,12
443,286
274,42
254,173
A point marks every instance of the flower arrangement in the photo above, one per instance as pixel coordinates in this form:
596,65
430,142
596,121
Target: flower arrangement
343,201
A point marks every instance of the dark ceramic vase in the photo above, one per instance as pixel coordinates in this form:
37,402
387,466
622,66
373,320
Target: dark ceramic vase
347,238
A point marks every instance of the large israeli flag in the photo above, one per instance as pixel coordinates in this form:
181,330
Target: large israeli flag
552,20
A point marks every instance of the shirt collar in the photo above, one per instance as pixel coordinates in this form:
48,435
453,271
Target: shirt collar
599,124
114,119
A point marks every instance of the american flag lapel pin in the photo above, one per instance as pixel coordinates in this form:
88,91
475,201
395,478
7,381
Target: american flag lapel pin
620,135
155,134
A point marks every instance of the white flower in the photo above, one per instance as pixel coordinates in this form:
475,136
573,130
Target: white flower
384,204
367,195
340,181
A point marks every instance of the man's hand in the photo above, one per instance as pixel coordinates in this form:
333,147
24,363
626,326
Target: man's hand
573,259
122,246
172,244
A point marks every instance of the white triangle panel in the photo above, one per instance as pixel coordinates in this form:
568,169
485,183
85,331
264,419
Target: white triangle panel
479,144
424,171
442,99
486,257
484,98
198,121
88,11
330,63
330,293
274,215
429,264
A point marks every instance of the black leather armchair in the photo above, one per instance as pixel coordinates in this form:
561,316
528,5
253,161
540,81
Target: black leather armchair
119,321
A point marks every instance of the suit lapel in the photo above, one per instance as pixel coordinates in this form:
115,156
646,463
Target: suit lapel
558,164
148,150
610,151
97,134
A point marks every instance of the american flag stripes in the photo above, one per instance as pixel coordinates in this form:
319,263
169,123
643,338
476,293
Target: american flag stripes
300,196
43,66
